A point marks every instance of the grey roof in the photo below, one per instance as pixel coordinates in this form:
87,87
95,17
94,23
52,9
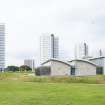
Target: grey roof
87,61
97,58
57,60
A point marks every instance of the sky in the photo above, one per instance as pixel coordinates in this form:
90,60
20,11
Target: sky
73,21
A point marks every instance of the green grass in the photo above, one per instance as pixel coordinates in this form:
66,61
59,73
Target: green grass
21,89
30,93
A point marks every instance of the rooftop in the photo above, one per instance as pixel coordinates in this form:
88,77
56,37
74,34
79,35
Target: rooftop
83,60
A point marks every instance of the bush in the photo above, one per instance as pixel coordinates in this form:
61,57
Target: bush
43,70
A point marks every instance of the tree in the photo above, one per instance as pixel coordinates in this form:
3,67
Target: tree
25,68
12,68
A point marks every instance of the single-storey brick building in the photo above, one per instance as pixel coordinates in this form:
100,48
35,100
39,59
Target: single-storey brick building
58,67
83,67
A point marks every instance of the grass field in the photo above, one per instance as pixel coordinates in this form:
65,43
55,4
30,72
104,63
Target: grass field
14,91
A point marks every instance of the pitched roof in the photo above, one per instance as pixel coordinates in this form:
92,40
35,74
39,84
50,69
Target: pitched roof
87,61
56,60
97,58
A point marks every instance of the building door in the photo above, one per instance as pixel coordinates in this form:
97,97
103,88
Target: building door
99,70
72,71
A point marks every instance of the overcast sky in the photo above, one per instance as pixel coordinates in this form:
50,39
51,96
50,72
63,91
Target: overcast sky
73,21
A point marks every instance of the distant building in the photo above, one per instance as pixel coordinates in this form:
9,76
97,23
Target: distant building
49,47
81,51
100,53
2,47
30,63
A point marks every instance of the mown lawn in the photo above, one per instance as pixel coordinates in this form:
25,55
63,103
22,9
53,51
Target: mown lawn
33,93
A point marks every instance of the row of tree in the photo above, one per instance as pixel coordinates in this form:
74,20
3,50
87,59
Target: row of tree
16,68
